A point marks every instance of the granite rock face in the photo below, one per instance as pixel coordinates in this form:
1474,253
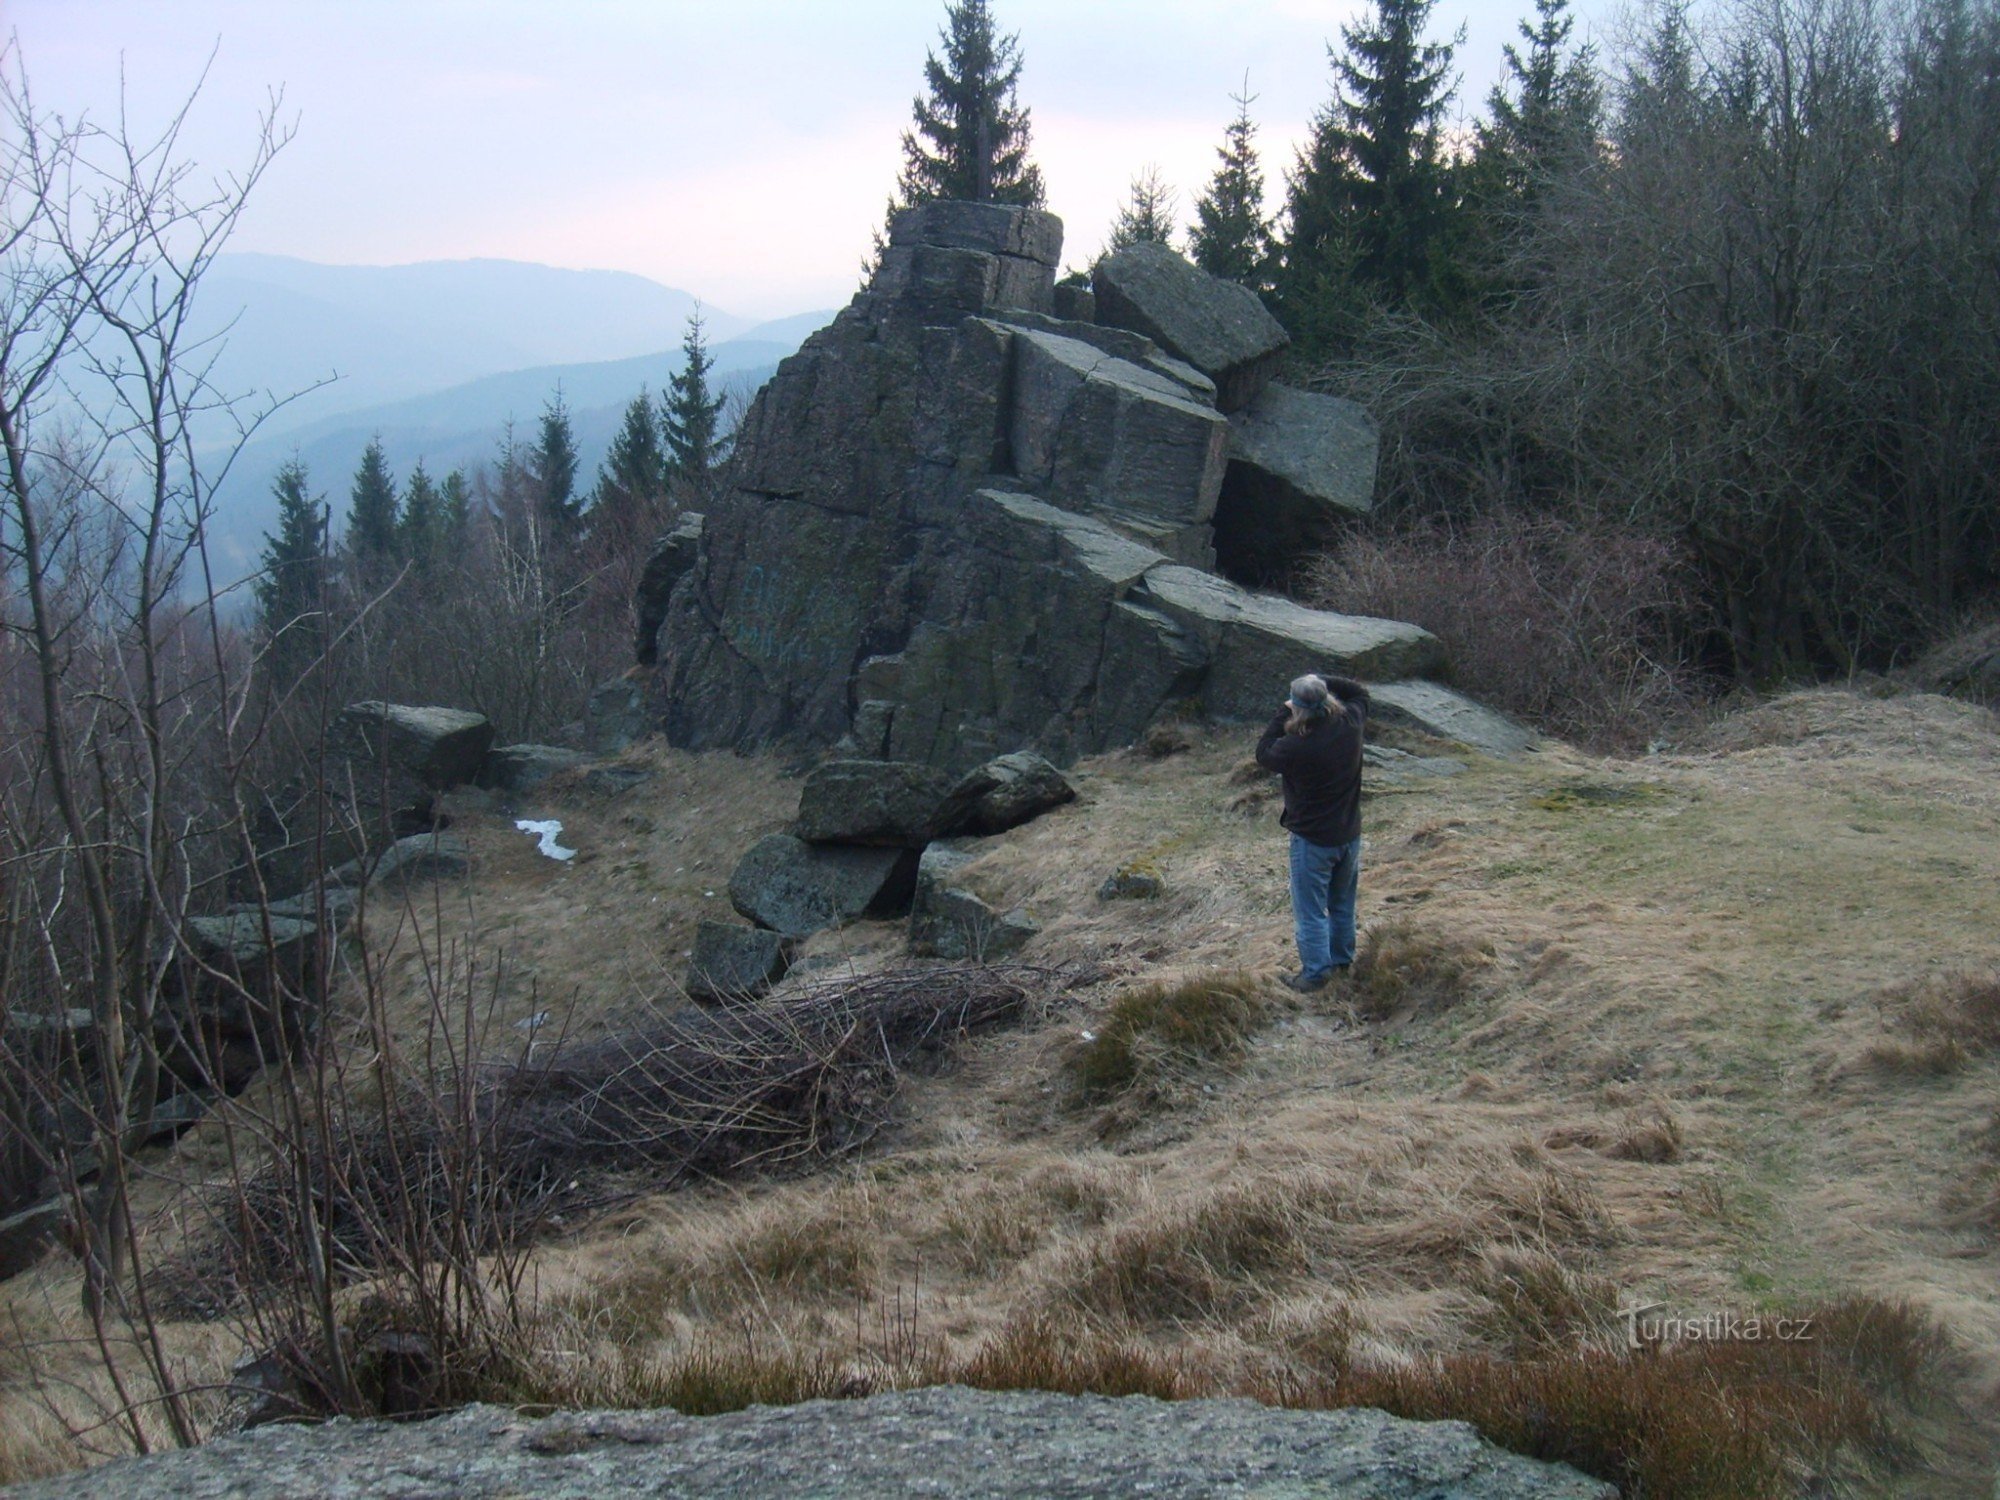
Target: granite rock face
955,525
981,1445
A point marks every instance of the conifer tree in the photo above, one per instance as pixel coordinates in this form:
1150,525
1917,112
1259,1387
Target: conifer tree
371,511
1369,207
1546,113
1147,216
1231,237
691,414
633,475
552,463
291,591
971,135
454,509
420,531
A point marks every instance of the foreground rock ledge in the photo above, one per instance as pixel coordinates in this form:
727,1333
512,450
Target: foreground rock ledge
945,1441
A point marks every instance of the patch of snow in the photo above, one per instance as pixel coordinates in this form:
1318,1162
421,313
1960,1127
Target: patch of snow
547,829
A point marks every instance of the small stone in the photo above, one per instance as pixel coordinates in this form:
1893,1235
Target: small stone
731,962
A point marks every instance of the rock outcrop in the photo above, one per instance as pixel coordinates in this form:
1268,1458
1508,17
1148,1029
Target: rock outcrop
956,525
992,1445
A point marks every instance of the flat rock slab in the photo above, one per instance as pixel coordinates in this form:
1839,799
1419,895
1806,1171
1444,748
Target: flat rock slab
236,941
943,1441
1217,326
421,856
996,228
1257,643
797,888
1438,710
522,768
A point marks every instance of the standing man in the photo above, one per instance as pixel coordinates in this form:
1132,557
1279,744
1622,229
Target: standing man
1314,744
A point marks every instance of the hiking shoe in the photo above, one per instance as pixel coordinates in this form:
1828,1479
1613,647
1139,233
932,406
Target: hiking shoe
1306,983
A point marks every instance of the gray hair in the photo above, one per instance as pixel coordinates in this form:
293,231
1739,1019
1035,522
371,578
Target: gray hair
1309,691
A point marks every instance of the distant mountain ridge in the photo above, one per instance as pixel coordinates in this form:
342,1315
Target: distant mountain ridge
463,425
436,357
386,332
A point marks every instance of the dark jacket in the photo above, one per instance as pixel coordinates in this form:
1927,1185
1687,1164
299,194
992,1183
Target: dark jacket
1321,768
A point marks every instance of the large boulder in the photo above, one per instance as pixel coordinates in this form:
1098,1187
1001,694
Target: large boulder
736,963
898,804
1217,326
797,889
1298,462
949,921
1006,792
950,1439
400,756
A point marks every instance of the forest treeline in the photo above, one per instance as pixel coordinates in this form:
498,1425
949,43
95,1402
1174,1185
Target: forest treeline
1722,306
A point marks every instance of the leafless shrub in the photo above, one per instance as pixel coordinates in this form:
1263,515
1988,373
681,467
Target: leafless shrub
1578,626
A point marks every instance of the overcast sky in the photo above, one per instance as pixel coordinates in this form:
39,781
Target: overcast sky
739,149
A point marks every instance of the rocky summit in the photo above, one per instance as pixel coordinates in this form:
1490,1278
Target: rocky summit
957,525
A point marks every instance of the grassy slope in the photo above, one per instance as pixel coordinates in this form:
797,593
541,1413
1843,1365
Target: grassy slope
1674,1062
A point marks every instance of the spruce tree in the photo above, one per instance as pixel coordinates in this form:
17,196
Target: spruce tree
454,509
1231,237
691,415
1370,205
1546,114
290,594
1147,216
552,463
371,511
421,529
971,135
633,476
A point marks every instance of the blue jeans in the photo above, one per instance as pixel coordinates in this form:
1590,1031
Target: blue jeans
1325,878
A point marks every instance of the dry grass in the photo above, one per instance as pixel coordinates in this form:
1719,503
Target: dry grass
1938,1025
1627,1071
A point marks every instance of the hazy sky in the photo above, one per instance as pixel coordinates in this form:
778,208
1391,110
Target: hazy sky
739,149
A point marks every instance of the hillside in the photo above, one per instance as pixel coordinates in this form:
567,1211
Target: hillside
1702,1029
